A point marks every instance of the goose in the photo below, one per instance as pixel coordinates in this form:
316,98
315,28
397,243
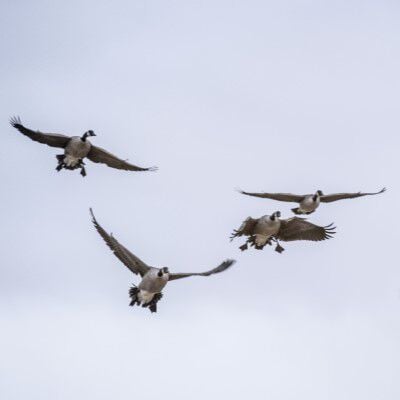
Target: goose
76,148
270,228
153,280
308,203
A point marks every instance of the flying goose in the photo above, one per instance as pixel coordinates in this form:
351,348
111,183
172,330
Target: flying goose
76,148
270,228
308,203
148,292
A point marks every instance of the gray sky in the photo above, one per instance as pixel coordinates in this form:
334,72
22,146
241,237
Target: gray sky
295,96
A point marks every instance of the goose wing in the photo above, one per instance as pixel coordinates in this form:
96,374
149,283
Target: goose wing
246,229
135,264
99,155
300,229
340,196
221,268
289,197
51,139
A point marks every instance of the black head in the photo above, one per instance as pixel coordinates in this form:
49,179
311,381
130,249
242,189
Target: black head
87,134
275,215
162,271
319,193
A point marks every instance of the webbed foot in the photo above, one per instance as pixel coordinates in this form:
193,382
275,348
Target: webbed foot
279,248
244,247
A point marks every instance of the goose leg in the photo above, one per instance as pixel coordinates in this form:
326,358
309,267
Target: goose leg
153,303
61,165
244,247
278,247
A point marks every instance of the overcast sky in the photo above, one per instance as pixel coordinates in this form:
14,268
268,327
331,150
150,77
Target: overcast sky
289,96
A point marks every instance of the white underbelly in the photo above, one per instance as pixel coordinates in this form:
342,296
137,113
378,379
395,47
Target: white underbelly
261,239
267,229
308,206
71,161
145,297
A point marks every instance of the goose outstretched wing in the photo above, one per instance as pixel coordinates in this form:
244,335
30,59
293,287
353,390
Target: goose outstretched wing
246,229
340,196
221,268
300,229
135,264
99,155
289,197
51,139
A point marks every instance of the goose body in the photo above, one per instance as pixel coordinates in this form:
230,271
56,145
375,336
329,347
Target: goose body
151,284
75,151
308,205
266,227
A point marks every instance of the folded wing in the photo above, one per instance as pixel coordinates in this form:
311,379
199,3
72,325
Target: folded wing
221,268
135,264
51,139
300,229
99,155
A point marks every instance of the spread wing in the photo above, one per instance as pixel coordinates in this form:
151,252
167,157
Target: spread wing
51,139
340,196
300,229
291,198
99,155
246,229
221,268
135,264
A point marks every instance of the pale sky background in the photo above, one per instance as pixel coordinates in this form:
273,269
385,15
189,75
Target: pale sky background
263,95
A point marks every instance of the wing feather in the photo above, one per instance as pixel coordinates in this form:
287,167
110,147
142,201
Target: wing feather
340,196
135,264
300,229
288,197
221,268
51,139
246,229
99,155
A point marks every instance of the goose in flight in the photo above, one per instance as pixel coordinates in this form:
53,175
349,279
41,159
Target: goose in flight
270,228
153,280
308,203
76,148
